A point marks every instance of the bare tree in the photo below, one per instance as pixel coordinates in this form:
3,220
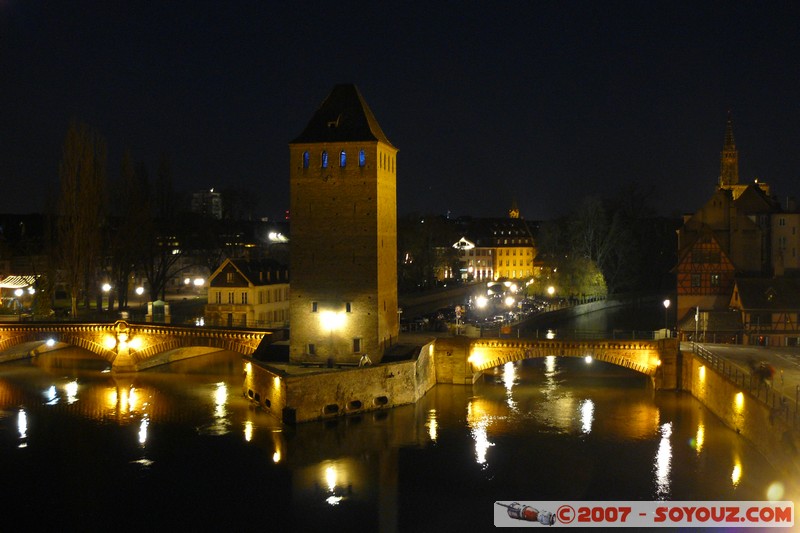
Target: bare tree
164,250
83,178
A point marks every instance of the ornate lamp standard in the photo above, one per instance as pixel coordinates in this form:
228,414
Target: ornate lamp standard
666,307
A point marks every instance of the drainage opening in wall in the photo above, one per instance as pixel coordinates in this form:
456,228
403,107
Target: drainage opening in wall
331,409
354,405
267,403
381,400
258,397
250,393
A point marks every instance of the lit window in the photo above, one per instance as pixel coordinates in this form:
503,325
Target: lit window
342,159
362,158
306,159
715,279
324,159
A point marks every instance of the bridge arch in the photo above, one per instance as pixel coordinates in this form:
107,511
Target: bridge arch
462,360
639,356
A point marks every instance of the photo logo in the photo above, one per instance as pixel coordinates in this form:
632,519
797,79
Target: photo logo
529,514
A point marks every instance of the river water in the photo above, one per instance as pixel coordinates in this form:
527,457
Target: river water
82,449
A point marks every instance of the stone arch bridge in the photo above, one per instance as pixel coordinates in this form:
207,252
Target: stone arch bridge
128,347
463,359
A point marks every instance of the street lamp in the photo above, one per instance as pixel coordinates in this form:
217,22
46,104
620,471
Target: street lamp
106,287
666,307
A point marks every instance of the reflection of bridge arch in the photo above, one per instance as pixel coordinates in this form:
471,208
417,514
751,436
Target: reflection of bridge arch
132,347
640,356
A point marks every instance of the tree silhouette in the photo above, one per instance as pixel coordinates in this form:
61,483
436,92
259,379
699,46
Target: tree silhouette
82,174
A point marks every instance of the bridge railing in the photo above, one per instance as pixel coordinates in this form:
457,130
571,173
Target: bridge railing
763,390
583,334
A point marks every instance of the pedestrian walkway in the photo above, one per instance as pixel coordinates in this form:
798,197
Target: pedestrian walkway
782,388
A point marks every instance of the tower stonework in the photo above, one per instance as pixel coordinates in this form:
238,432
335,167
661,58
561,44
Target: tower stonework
729,159
343,208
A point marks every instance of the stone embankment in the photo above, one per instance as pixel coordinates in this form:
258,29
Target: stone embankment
771,429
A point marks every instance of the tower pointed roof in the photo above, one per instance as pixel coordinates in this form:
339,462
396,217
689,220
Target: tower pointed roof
729,158
343,116
729,144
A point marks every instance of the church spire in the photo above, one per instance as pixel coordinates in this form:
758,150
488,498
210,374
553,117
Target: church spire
729,159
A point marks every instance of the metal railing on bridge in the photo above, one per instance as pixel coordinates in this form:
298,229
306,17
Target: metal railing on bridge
779,403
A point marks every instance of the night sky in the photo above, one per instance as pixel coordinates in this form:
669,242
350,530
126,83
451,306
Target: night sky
488,102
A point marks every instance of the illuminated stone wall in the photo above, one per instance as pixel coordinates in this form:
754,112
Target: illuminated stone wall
760,424
344,251
295,394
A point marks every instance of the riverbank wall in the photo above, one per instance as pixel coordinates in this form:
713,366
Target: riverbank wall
762,425
301,394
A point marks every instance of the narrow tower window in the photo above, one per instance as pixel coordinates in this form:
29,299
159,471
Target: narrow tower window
362,158
306,159
324,159
342,159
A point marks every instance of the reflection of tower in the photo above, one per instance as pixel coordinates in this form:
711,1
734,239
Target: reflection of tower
344,234
729,159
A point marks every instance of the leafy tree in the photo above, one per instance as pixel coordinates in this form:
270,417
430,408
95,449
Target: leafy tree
82,175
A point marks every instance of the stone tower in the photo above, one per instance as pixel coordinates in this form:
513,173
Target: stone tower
343,234
729,158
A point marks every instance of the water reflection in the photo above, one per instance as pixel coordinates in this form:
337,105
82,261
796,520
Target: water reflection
736,474
432,425
587,415
509,378
478,420
700,438
22,427
143,431
663,463
170,437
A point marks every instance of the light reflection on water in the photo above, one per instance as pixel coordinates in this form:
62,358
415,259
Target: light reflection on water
545,429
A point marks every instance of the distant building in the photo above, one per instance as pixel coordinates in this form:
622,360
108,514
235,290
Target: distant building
492,248
249,294
770,310
207,203
786,242
737,260
343,248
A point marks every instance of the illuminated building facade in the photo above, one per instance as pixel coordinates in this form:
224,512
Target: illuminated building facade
249,294
493,248
344,234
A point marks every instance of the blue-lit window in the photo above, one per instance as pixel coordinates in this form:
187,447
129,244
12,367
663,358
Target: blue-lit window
342,159
306,159
324,159
362,158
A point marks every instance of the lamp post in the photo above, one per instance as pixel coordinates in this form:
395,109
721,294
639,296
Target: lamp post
106,287
666,307
18,293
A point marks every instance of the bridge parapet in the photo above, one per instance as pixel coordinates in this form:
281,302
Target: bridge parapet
650,358
133,347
